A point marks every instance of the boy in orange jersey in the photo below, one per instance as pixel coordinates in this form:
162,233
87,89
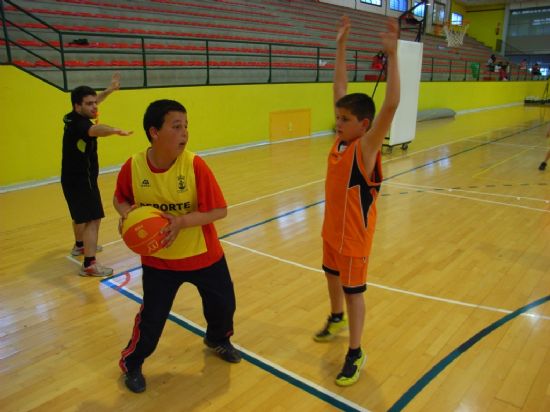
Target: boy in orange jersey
171,177
353,181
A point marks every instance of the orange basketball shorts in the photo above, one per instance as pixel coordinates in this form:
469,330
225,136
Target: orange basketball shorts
351,270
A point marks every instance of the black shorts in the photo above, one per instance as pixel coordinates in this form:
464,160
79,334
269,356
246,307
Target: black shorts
83,199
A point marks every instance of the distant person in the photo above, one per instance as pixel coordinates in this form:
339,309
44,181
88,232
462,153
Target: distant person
503,71
378,61
491,62
523,65
522,69
535,71
80,170
545,161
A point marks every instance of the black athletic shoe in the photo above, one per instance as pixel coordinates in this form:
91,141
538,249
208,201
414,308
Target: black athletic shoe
135,381
542,166
224,350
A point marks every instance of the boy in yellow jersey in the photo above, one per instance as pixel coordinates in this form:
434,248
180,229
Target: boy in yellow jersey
353,181
171,178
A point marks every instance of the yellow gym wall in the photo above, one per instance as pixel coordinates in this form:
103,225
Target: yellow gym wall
31,119
462,96
31,125
483,25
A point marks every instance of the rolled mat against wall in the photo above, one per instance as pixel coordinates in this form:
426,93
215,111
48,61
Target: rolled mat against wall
536,100
432,114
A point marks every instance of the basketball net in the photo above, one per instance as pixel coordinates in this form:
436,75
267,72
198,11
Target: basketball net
455,34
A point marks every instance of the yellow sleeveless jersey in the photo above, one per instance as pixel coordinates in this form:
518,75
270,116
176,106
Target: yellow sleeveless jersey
174,192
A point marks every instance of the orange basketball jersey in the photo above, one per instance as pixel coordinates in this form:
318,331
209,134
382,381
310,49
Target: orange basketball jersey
350,195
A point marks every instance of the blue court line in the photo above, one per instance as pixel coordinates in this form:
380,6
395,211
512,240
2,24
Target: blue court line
244,229
438,368
327,397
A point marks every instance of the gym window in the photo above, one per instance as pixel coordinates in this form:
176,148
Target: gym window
373,2
456,19
399,5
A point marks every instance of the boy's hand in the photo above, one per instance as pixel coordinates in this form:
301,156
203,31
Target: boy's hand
389,38
124,216
172,229
115,82
343,30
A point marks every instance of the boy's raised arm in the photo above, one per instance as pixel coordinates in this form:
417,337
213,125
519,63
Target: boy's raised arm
340,83
373,139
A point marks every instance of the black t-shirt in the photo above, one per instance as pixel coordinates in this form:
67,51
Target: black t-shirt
79,149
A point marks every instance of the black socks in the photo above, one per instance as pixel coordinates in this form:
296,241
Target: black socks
355,353
88,260
336,317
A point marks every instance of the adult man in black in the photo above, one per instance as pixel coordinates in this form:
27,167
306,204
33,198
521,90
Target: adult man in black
80,169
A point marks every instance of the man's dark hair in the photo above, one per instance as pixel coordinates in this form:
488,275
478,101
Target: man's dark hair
78,94
359,104
154,115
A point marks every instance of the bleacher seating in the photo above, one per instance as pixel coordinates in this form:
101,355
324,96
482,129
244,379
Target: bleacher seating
215,42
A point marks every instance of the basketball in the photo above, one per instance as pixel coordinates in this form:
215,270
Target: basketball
141,230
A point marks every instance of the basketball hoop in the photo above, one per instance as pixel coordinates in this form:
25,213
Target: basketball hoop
455,33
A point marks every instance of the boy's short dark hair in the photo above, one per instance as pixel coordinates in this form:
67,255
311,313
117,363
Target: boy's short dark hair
359,104
78,94
154,115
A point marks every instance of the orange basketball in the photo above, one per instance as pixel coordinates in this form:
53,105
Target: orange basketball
141,230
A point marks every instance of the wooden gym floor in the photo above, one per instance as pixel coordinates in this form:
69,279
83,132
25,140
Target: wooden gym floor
458,317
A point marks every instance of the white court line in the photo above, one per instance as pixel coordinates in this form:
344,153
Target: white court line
409,154
402,291
261,359
485,200
448,189
509,144
488,201
111,243
275,194
74,260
